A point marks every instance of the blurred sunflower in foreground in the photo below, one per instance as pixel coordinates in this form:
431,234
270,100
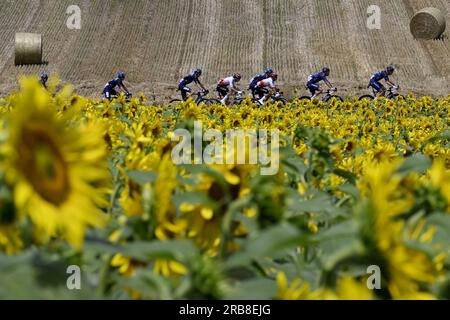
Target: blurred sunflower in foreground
57,169
359,184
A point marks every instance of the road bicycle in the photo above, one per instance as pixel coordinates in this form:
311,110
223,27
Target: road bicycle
275,97
330,94
128,97
200,98
239,98
391,93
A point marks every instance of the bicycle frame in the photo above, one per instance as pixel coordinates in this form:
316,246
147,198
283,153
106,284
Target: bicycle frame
329,94
390,92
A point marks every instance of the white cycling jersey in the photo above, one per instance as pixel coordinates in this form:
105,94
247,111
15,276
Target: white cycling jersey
266,83
227,82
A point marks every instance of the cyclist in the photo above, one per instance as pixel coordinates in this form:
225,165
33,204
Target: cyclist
315,78
110,88
377,77
226,85
252,86
192,77
43,79
264,87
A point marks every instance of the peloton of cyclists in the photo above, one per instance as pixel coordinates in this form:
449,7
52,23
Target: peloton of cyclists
262,86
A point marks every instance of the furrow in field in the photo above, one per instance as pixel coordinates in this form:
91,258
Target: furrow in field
330,41
165,40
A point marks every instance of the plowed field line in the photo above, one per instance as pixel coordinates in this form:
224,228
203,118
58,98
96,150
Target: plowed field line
184,42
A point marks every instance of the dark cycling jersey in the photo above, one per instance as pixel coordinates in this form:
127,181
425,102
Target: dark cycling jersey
317,77
257,79
189,79
380,75
114,83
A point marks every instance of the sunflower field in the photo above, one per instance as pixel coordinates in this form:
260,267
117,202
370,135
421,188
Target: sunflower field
362,187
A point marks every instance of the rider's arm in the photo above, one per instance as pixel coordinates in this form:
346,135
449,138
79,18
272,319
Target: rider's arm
124,88
390,83
275,88
198,82
234,88
328,83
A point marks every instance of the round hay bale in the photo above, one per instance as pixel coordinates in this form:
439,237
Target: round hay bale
428,23
28,48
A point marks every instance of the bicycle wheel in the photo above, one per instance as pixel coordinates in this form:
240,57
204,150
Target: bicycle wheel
367,96
238,102
397,96
282,100
173,103
209,102
335,97
304,98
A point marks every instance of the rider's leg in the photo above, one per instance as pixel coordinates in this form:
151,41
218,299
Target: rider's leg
264,97
253,91
314,89
107,94
223,94
318,92
224,100
378,87
185,93
111,94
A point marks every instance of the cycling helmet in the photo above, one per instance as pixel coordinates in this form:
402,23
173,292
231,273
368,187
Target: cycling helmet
198,72
44,77
269,71
326,70
390,69
237,76
121,75
274,76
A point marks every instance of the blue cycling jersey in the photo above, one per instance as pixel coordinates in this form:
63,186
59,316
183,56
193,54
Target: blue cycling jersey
114,83
317,77
380,75
259,78
189,79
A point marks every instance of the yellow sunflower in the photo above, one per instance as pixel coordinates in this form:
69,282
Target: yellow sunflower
407,268
58,170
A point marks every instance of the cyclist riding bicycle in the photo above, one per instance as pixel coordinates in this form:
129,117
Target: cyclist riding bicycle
192,77
265,87
226,85
43,79
377,77
315,78
252,86
109,91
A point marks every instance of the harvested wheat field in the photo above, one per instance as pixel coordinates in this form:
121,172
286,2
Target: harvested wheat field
156,42
139,197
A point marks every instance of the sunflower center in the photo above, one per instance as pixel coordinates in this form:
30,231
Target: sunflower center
42,164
